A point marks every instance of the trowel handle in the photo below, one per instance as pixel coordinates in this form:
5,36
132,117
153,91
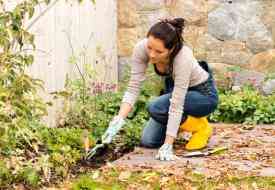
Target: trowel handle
219,149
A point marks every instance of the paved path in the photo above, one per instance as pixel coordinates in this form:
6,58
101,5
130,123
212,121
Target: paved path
251,151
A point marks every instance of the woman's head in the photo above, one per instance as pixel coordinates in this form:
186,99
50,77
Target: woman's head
165,39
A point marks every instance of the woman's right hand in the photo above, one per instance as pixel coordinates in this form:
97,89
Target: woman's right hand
114,126
116,123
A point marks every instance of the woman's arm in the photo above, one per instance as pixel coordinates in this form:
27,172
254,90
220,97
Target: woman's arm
182,70
125,109
137,75
169,139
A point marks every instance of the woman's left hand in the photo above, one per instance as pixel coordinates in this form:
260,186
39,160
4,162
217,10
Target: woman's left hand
166,153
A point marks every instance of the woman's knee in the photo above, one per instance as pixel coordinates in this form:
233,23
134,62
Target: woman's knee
199,105
149,144
158,114
151,108
214,105
153,134
158,108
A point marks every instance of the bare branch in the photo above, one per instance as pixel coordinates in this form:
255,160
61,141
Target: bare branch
41,14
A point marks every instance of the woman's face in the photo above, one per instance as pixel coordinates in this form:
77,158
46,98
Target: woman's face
157,51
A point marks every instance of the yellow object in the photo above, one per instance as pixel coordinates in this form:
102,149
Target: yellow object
86,140
200,129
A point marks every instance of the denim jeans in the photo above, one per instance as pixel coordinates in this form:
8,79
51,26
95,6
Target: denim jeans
200,101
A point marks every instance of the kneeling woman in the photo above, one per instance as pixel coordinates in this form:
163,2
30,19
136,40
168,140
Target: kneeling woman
189,96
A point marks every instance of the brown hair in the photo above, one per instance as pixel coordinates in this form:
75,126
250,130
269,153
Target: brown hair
170,32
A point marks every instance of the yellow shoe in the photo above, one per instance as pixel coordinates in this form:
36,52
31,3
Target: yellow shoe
192,124
201,131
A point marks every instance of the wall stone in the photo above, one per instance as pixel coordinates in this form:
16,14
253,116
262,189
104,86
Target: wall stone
194,11
127,38
235,53
147,18
127,14
149,5
240,21
263,62
269,87
134,19
192,35
230,32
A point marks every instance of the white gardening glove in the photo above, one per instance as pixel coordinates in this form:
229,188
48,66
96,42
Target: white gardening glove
166,153
114,126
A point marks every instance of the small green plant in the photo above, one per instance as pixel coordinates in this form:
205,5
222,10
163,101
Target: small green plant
87,183
5,175
94,109
29,176
245,106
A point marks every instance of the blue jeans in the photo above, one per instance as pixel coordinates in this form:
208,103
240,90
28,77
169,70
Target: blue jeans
200,101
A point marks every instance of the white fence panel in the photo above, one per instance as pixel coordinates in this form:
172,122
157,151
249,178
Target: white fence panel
67,29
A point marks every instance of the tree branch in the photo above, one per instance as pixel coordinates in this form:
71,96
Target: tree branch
41,14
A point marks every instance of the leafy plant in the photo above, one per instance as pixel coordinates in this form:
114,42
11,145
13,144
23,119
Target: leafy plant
26,144
246,106
5,174
29,176
86,183
97,109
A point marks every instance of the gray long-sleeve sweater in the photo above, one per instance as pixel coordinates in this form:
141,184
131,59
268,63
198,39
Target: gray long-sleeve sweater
186,73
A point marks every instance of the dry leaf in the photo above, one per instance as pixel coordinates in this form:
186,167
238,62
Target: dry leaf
19,187
150,177
95,174
124,175
255,186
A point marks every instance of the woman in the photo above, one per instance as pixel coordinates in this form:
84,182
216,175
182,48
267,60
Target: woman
189,96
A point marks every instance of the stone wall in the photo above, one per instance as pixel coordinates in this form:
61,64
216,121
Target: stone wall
226,33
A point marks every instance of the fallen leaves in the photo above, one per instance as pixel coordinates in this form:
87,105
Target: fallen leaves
124,176
245,146
96,175
248,157
150,177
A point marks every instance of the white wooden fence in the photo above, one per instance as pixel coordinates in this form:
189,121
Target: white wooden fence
69,29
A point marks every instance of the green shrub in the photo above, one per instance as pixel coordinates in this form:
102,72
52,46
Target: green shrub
64,146
29,176
94,111
246,106
5,175
86,183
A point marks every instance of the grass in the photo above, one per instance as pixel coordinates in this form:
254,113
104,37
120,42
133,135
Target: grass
113,179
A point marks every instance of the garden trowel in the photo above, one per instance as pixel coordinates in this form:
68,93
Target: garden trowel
91,152
204,153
